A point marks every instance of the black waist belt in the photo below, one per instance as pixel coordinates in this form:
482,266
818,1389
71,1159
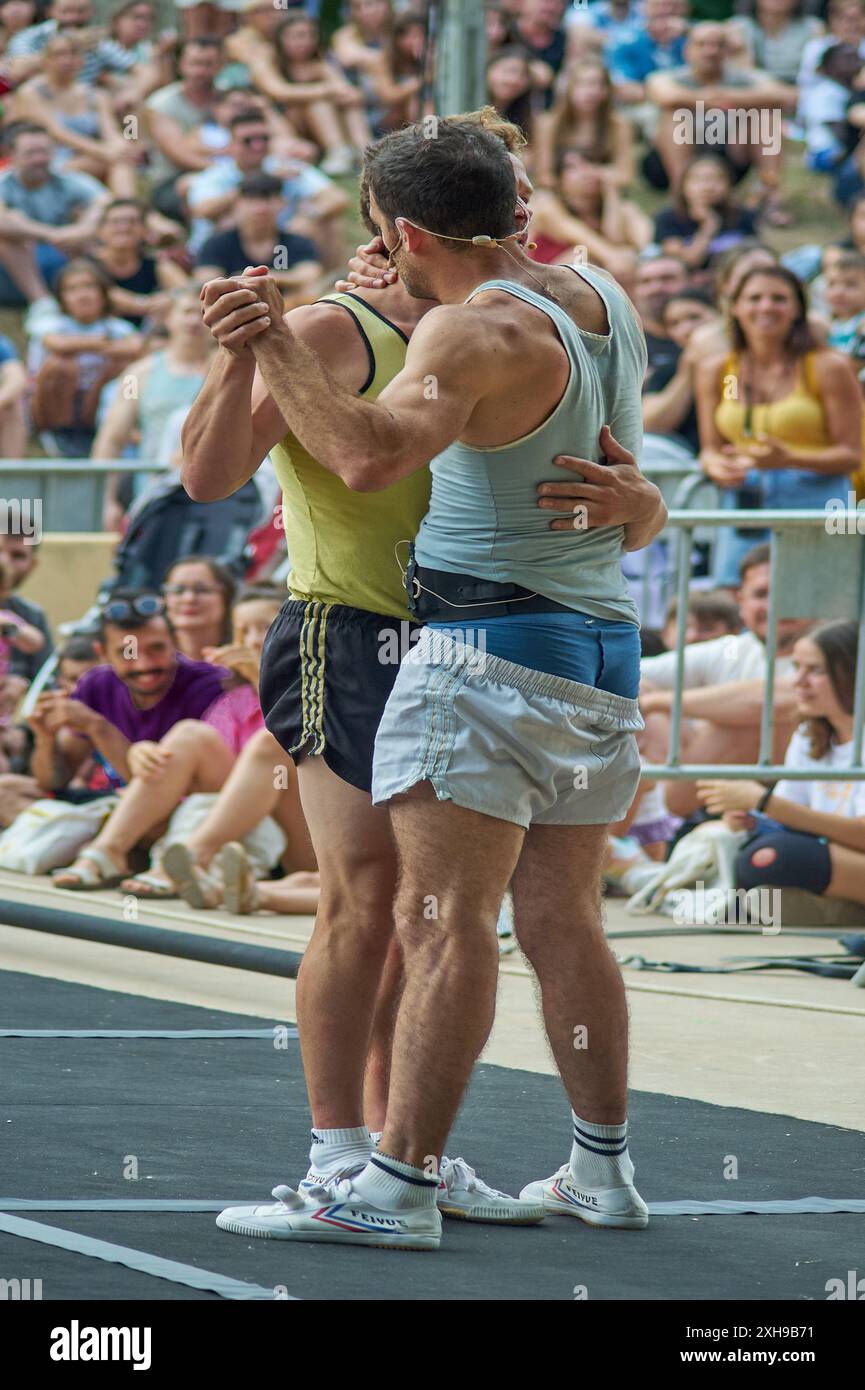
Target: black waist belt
436,596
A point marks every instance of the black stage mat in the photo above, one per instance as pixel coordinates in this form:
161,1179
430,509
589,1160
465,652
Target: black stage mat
227,1119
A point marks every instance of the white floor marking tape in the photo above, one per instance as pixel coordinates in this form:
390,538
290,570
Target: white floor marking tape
814,1206
279,1030
782,1207
139,1260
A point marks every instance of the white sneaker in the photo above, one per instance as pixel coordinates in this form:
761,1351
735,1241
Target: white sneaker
343,1217
619,1207
462,1194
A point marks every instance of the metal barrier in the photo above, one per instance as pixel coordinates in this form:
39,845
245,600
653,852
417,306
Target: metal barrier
70,492
817,571
679,483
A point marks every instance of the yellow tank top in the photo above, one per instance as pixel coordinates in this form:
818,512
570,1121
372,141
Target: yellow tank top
342,544
798,419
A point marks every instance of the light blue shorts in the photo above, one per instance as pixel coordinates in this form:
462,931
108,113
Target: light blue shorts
505,740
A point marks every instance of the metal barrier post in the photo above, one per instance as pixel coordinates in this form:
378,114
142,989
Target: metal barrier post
767,723
683,559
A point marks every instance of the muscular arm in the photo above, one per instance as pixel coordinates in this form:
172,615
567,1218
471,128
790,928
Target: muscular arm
234,422
419,413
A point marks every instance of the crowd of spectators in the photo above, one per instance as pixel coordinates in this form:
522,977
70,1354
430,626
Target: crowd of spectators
670,143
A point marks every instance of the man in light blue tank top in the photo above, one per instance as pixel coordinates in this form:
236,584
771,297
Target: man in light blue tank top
508,745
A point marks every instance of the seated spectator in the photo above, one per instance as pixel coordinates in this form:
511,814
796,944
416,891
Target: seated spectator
43,214
657,277
175,115
510,87
76,345
166,379
583,119
539,30
227,751
598,27
807,834
724,689
357,44
311,203
141,279
845,298
79,118
743,93
499,25
669,404
285,143
711,614
77,656
17,636
103,57
316,97
20,556
398,76
199,592
143,689
830,137
587,216
780,420
131,27
777,36
15,16
257,24
13,389
657,44
257,240
704,218
845,21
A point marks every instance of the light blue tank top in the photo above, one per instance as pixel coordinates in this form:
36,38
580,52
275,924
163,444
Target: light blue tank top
483,517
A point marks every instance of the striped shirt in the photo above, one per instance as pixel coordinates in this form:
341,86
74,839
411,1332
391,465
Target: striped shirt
105,56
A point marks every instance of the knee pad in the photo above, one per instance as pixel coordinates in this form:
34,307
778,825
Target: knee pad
785,859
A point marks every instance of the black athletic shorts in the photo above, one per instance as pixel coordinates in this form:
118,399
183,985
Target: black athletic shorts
326,674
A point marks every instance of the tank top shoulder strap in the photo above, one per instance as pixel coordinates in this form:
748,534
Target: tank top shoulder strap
809,375
385,343
568,331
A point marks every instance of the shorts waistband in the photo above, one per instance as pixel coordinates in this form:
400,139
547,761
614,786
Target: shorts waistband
436,648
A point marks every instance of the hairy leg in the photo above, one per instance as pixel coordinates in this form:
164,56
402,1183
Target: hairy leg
558,923
342,967
455,865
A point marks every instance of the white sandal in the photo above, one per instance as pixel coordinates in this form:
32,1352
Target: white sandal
195,885
106,875
240,893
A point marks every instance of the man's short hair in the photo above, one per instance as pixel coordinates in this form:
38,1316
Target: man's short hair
261,186
753,558
246,117
848,260
456,181
16,129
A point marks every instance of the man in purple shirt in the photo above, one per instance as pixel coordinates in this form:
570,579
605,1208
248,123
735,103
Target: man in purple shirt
145,687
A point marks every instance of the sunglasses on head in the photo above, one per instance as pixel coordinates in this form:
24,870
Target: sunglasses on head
119,610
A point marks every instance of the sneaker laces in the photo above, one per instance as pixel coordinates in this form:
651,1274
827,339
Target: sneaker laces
459,1176
336,1187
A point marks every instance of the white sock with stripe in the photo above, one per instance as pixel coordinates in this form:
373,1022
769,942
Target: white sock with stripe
599,1154
393,1185
334,1150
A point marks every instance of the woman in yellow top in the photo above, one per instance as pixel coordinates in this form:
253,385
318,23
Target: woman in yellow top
780,420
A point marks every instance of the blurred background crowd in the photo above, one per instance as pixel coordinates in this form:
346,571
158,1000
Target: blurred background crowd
710,155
